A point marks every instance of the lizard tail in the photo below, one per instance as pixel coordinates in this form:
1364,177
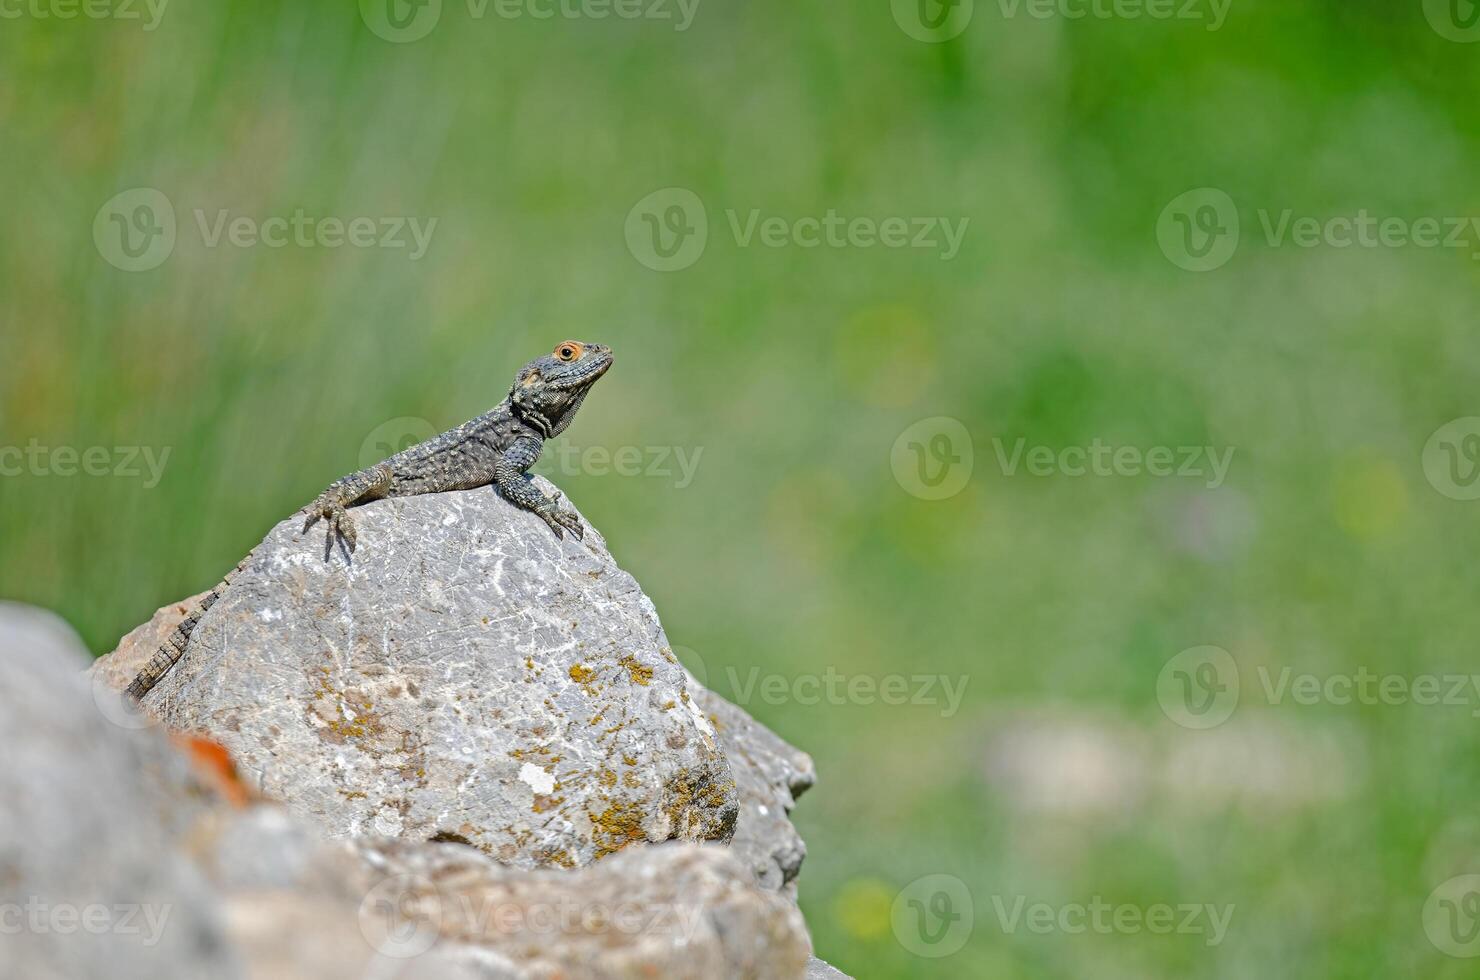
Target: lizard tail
174,648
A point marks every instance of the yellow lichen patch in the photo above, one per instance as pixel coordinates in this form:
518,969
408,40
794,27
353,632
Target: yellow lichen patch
584,676
607,778
639,672
669,705
617,826
348,714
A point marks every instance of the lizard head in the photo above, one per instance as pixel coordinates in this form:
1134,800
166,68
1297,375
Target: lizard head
549,389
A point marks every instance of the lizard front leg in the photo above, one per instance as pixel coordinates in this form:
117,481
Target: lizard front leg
509,474
345,492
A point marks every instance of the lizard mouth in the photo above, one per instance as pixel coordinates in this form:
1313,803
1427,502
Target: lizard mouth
591,373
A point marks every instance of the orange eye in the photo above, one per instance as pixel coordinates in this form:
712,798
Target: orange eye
568,351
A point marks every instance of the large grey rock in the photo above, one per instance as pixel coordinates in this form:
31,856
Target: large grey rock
770,775
467,676
87,855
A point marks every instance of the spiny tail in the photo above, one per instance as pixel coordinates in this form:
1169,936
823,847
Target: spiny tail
174,648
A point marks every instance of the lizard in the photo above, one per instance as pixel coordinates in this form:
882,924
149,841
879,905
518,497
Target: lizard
498,447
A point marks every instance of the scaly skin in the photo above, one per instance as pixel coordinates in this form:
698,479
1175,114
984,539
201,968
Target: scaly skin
497,447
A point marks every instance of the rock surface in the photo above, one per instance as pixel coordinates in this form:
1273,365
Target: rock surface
461,672
770,775
467,677
257,892
86,845
672,910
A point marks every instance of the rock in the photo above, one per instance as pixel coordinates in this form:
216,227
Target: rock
770,775
673,910
467,677
87,845
117,669
818,970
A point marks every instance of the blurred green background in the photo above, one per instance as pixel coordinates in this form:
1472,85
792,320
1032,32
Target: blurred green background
790,373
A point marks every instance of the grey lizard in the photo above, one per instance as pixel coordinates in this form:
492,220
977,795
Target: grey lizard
497,447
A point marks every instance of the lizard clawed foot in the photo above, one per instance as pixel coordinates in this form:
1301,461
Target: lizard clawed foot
561,521
340,524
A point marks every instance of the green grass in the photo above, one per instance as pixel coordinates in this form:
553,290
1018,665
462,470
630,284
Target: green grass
792,371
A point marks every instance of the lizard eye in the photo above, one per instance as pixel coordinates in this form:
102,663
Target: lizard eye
568,351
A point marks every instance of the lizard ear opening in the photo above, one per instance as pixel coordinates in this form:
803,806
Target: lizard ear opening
529,379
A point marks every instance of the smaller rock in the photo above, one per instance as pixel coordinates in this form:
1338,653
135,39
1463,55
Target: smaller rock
770,775
818,970
673,910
